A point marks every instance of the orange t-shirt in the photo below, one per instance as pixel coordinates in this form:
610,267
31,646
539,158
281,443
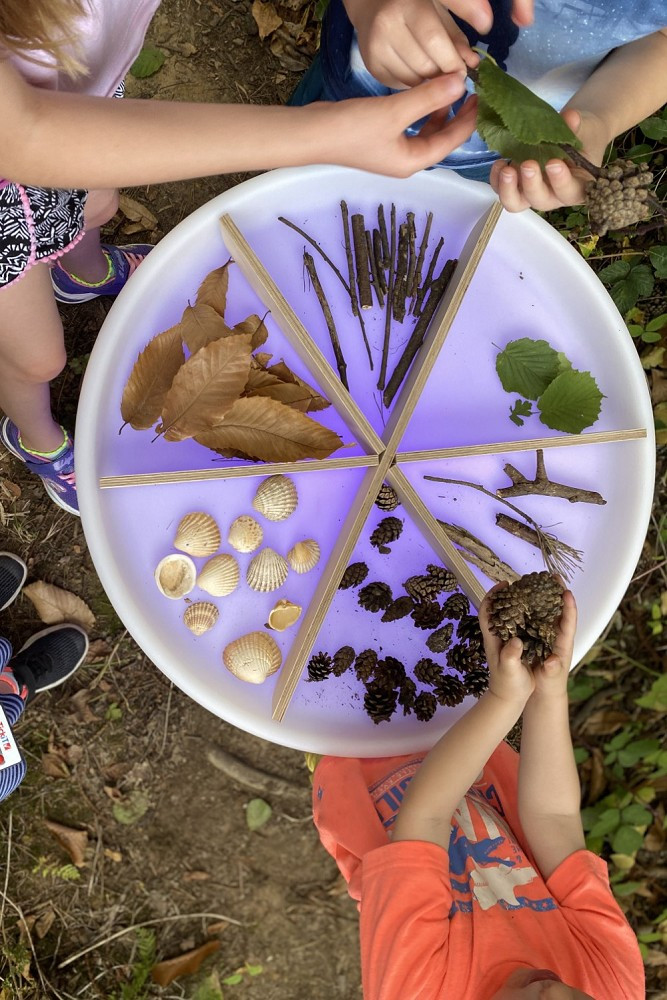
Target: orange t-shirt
441,923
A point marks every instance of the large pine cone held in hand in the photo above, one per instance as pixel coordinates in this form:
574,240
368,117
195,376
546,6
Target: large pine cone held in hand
529,609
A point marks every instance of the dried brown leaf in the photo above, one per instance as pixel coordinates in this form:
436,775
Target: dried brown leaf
80,705
206,387
151,378
183,965
213,289
200,325
254,326
266,17
44,922
54,605
271,431
72,841
283,372
136,212
604,722
288,393
98,650
54,766
261,359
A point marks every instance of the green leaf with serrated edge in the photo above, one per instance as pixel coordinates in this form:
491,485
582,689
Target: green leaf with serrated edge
636,815
654,128
147,63
258,812
614,272
607,822
527,366
627,840
522,408
564,364
571,402
658,257
638,284
524,114
498,137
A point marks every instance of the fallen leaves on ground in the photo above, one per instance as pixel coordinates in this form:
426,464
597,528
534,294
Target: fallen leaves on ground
54,605
266,17
183,965
137,213
74,842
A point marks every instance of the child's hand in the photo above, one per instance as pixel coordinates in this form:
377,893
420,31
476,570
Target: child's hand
551,676
509,679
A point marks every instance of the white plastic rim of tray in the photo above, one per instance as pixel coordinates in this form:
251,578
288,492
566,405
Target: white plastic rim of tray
159,290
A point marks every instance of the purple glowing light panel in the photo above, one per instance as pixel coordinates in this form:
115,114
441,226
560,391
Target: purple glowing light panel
529,283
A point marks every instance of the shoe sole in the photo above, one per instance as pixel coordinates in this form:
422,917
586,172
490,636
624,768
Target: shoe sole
19,586
57,628
50,489
72,298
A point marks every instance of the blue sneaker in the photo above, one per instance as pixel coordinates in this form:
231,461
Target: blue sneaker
13,572
58,475
123,263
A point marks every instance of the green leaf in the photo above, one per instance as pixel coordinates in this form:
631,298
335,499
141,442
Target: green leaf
654,128
640,154
527,366
132,809
564,364
233,980
497,136
148,62
113,712
581,754
571,402
638,284
651,337
620,739
627,840
636,815
646,793
258,813
575,219
607,821
612,273
522,408
208,990
658,322
254,970
658,257
656,697
626,888
636,751
590,816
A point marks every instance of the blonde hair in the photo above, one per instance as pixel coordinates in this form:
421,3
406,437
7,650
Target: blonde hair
32,25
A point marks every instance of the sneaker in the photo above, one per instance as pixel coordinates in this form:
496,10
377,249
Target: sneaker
13,572
125,261
50,657
58,476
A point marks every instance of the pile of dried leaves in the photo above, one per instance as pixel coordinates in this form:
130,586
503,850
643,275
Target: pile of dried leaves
224,396
292,29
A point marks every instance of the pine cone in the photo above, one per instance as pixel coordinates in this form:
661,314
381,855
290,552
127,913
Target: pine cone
379,702
476,682
456,606
399,608
543,596
355,574
619,198
319,667
406,695
365,664
446,581
425,706
387,498
530,609
422,588
466,656
449,690
375,596
427,671
440,640
507,611
428,615
469,628
390,672
388,530
342,659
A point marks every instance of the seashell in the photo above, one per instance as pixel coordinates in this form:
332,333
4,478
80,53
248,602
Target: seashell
276,498
253,657
283,614
175,576
197,534
304,555
245,534
220,575
267,571
200,617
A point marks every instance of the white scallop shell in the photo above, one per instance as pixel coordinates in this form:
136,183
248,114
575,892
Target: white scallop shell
253,657
175,575
276,498
197,534
220,575
267,571
200,617
304,555
245,534
283,614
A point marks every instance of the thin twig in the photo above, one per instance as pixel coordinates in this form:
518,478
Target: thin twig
390,296
478,553
541,485
400,281
361,260
417,277
387,260
375,277
528,534
379,259
421,294
326,310
251,777
412,253
319,249
352,288
165,731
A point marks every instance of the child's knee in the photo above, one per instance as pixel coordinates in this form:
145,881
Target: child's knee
100,206
39,367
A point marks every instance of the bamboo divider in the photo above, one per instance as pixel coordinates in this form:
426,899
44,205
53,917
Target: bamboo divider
531,444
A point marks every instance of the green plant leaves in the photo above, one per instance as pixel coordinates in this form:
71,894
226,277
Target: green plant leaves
148,62
656,697
527,366
627,840
522,408
571,402
654,127
497,136
627,283
132,809
258,812
658,257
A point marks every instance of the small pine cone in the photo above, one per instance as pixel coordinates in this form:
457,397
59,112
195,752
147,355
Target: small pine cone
476,682
365,664
469,628
379,702
618,198
399,608
422,588
507,612
457,658
342,659
387,498
406,695
355,574
446,580
543,596
390,672
375,596
427,671
428,615
319,667
388,530
425,706
440,640
456,606
449,690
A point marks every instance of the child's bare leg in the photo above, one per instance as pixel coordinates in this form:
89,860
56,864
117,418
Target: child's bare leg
32,353
86,260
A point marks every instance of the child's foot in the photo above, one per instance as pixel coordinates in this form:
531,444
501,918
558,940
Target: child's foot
123,262
50,657
13,572
56,469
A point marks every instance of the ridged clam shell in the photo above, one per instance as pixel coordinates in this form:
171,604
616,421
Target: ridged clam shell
304,555
245,534
276,498
200,617
220,575
175,575
283,614
253,657
197,534
267,571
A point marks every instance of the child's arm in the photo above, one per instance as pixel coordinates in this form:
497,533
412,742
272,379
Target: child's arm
456,760
549,791
628,86
66,140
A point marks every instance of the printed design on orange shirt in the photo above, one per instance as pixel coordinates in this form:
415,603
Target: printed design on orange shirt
388,792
